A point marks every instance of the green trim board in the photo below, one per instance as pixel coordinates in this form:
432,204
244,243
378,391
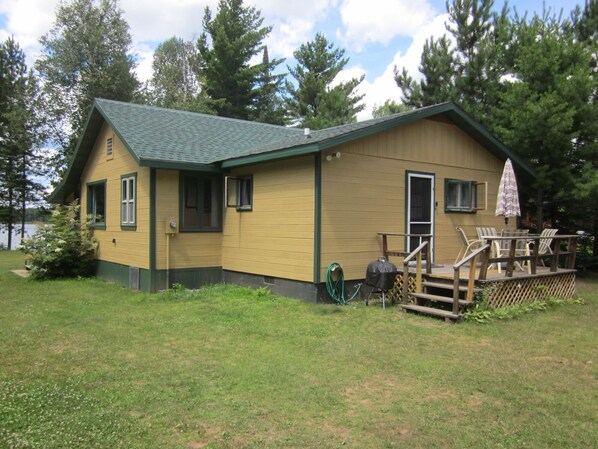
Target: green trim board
152,230
189,277
317,216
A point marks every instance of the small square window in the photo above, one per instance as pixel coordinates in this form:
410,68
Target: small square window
460,195
240,193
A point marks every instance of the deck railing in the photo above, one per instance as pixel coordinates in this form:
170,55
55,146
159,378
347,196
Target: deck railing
564,246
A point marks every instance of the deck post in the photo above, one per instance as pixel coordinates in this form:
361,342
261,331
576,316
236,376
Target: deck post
405,283
471,280
418,273
572,249
534,260
428,256
511,261
554,263
456,290
484,264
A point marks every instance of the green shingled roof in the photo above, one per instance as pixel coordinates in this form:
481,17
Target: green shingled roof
167,138
157,134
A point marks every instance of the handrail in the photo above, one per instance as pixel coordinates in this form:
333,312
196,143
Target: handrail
485,252
471,256
407,259
391,252
418,268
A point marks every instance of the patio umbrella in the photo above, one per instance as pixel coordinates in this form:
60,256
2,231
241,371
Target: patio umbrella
507,201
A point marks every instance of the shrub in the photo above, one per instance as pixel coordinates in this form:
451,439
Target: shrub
64,248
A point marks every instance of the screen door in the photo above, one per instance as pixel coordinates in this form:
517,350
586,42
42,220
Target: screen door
420,208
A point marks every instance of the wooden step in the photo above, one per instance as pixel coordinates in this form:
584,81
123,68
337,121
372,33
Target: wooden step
446,286
440,298
446,314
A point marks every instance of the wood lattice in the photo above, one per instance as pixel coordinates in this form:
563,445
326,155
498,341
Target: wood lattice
507,292
395,294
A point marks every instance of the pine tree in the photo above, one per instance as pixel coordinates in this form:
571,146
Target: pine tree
269,104
315,102
19,160
438,84
227,44
470,73
547,114
389,107
84,56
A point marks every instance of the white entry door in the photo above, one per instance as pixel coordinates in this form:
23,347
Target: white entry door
420,208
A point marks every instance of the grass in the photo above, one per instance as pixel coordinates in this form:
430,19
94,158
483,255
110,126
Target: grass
88,364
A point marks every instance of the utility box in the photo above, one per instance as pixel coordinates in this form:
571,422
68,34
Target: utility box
171,226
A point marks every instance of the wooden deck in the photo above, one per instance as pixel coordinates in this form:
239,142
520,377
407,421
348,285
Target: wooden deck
446,290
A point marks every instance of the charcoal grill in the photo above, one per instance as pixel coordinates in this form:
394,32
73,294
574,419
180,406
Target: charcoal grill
380,276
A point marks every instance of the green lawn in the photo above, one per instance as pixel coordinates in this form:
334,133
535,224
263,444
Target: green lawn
87,364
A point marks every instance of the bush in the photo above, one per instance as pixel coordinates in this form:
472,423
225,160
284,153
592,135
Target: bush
64,248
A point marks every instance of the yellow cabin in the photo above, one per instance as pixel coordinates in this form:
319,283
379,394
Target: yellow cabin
180,197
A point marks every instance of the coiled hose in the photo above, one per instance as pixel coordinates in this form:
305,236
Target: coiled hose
335,284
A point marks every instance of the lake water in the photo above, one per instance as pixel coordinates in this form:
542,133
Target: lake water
30,229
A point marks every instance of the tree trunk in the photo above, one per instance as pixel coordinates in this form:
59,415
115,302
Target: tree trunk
540,210
9,225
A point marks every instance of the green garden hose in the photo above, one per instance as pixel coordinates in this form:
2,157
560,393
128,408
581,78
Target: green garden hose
335,284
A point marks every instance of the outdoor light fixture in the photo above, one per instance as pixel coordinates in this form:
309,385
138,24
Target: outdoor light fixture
331,156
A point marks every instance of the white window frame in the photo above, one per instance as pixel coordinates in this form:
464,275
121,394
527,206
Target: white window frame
128,200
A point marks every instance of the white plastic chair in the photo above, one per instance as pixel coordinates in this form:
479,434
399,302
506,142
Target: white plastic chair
466,244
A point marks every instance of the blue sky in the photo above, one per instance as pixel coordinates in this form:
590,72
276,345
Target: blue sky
377,34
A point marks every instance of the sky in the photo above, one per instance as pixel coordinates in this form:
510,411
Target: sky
378,35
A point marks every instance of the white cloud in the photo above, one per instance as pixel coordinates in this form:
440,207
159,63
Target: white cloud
157,20
382,20
384,87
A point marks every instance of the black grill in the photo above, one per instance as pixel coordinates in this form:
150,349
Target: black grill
381,274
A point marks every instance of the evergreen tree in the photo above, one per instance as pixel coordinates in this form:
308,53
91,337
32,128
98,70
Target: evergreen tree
227,44
547,114
269,104
19,160
389,107
84,56
315,102
174,83
470,73
438,84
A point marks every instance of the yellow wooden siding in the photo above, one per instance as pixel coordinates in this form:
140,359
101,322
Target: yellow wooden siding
117,245
187,249
363,192
276,237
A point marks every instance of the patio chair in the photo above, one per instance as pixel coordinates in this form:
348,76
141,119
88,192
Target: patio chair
466,244
544,248
521,246
495,246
